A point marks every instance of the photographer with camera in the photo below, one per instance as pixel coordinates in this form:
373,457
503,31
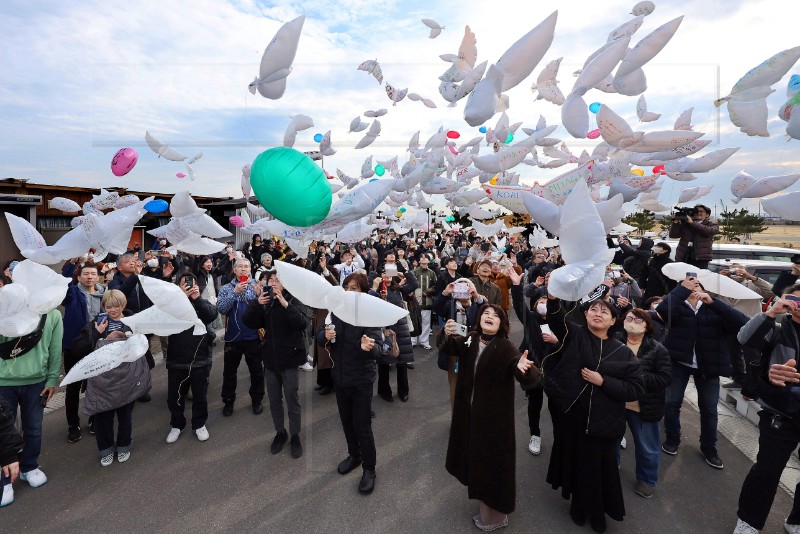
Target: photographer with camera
696,233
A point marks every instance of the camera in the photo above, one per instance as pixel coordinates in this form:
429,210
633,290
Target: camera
682,213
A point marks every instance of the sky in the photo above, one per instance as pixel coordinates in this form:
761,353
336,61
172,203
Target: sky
82,79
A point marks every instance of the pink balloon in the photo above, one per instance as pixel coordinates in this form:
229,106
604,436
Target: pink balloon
594,134
123,161
453,150
236,221
180,175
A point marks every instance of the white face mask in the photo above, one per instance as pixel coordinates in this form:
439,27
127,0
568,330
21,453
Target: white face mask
633,328
541,308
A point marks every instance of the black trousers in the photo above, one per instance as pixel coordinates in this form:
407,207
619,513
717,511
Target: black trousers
739,371
324,378
355,407
178,383
775,446
104,429
384,388
232,358
535,403
73,393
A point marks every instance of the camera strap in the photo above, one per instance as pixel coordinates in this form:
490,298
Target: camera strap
23,344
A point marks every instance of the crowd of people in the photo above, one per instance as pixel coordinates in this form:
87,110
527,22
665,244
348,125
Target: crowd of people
619,358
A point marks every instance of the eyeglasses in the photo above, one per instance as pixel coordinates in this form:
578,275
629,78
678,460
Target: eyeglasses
632,319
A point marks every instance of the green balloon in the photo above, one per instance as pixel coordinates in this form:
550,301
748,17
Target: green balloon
379,170
291,186
510,137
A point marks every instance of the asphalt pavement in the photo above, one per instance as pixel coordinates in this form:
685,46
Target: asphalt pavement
231,483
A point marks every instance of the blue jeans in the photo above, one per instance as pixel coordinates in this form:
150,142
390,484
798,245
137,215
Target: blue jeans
32,412
707,398
647,439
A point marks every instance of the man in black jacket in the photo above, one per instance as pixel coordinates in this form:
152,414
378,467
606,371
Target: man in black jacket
188,358
11,444
284,320
698,324
774,336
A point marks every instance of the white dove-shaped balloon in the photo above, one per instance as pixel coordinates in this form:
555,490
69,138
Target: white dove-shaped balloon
171,312
745,186
297,124
106,358
583,247
435,27
546,84
162,149
371,135
643,114
36,291
357,309
276,63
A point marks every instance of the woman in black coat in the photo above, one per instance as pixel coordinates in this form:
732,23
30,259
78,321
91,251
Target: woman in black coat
644,415
354,350
652,281
588,381
396,289
481,449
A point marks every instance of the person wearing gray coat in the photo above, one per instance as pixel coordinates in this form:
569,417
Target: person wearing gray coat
114,392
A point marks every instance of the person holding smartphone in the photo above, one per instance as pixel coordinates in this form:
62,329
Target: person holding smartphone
696,342
240,339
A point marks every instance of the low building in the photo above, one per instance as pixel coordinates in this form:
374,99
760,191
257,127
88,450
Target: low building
30,201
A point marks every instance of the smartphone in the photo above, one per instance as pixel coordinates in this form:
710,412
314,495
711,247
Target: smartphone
333,329
691,275
189,281
461,290
391,269
43,401
461,330
243,279
545,329
102,317
792,298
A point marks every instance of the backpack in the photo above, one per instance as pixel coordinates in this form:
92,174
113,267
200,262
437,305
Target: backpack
389,346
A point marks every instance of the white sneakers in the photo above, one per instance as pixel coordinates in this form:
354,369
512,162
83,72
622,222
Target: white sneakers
107,460
535,445
35,477
172,437
306,367
791,529
202,433
744,528
623,443
8,495
122,457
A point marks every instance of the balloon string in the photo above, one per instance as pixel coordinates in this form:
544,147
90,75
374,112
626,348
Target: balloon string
244,117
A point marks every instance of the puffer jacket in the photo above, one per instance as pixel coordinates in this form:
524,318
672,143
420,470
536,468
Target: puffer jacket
284,345
777,340
700,234
352,367
600,408
656,366
702,333
188,351
116,387
10,439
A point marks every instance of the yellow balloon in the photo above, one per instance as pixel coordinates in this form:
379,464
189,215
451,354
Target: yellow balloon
637,172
